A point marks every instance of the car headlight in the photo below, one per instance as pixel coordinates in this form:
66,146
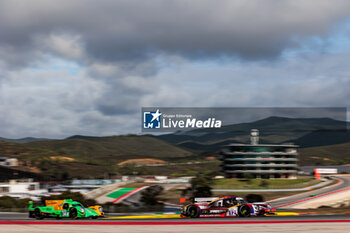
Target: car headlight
82,210
100,209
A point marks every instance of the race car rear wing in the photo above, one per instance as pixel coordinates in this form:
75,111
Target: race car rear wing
261,203
198,199
204,199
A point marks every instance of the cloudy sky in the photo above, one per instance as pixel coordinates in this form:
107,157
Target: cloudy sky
87,67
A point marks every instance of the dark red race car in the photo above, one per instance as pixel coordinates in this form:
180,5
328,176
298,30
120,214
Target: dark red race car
226,206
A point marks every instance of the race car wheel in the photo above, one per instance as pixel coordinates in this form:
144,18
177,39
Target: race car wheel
73,213
193,211
31,214
244,211
38,214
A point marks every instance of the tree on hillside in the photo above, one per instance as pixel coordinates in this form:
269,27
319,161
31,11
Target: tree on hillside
7,202
127,169
201,184
254,198
150,195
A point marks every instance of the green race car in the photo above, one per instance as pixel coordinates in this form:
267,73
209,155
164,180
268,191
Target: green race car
66,208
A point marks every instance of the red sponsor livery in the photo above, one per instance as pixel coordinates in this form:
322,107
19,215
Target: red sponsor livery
226,206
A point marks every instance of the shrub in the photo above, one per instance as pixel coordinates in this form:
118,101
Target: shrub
7,202
150,195
264,183
201,184
202,192
254,198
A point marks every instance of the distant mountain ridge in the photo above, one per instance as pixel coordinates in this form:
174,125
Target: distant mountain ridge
92,156
33,139
278,124
268,126
23,140
305,132
322,141
82,137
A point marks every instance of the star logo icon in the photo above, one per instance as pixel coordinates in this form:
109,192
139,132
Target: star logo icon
156,115
152,119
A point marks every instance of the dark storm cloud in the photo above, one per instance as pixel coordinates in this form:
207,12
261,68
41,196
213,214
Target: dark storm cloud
87,67
137,30
119,99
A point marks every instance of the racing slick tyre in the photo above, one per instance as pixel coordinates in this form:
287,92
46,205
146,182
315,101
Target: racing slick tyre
73,213
31,214
244,211
193,211
38,214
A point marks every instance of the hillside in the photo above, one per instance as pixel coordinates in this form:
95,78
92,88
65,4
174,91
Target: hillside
322,141
116,147
325,155
7,173
290,128
305,132
90,157
323,138
23,140
98,157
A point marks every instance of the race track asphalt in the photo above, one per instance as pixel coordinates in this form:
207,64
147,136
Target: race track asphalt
7,216
19,222
285,202
11,223
338,223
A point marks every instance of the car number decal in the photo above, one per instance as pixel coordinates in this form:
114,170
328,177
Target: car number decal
232,211
65,213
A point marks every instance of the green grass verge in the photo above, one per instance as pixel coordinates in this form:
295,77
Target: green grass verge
120,192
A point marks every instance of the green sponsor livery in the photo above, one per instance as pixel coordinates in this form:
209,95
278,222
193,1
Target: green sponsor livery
61,209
